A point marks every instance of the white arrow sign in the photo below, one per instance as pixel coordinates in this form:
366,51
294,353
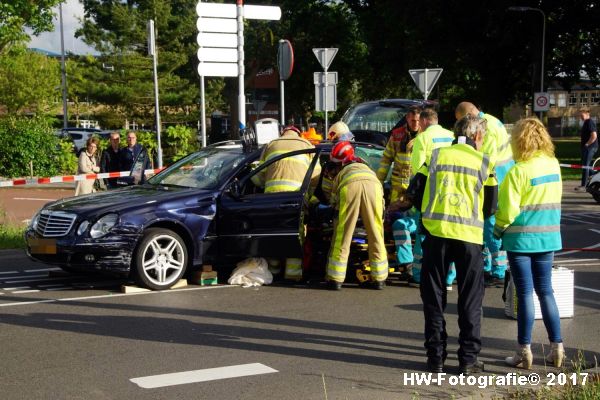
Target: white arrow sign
220,25
325,56
217,10
425,79
215,54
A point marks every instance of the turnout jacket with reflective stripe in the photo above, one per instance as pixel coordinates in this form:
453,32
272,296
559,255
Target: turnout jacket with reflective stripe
357,171
529,204
496,142
397,151
287,174
453,199
434,137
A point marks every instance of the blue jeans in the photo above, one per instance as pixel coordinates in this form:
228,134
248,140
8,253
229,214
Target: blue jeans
529,271
587,155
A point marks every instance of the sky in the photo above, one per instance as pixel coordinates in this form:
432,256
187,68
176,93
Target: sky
72,10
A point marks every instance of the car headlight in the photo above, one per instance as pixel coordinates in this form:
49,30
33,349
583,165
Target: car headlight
103,225
82,227
34,221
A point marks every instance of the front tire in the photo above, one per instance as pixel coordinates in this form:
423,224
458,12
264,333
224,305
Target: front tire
160,259
594,190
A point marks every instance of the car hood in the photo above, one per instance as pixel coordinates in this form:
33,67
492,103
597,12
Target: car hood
123,199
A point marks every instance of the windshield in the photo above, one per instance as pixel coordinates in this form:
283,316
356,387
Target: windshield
374,116
202,170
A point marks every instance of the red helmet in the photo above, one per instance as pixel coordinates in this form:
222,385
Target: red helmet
342,152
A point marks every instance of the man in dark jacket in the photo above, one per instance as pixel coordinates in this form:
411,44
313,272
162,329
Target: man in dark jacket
110,159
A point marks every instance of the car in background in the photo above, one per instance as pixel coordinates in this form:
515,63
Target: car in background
373,121
80,135
203,209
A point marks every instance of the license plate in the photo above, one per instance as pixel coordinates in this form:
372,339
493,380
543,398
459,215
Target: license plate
42,246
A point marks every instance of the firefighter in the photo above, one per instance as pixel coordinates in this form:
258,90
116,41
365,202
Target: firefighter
339,131
496,145
456,191
287,175
356,192
397,151
432,136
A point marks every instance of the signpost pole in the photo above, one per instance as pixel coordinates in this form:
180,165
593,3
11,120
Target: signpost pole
203,112
326,128
426,86
241,95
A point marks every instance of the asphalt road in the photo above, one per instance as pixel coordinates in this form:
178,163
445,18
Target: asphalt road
79,337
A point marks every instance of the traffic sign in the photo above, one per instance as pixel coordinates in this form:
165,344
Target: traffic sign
217,69
425,79
218,10
325,96
205,39
215,54
221,25
285,59
325,56
541,101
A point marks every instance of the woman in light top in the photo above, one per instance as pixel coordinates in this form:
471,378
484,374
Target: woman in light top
528,221
88,164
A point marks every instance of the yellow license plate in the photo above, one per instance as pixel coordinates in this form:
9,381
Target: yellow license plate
42,246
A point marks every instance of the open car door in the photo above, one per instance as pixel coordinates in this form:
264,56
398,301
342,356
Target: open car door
136,176
251,224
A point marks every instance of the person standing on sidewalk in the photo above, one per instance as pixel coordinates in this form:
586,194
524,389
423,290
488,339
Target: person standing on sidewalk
87,165
528,220
455,191
110,159
589,145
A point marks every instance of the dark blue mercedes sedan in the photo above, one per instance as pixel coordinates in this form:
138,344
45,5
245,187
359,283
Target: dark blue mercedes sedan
204,209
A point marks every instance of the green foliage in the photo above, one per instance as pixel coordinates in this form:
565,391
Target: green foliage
28,81
180,141
66,158
12,237
15,15
25,140
148,140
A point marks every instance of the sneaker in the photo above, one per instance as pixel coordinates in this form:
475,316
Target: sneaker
492,281
448,288
579,188
333,285
413,283
469,369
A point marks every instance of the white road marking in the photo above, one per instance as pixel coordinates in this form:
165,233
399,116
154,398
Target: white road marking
26,291
587,289
202,375
58,288
42,270
574,260
33,199
31,278
113,295
9,272
17,288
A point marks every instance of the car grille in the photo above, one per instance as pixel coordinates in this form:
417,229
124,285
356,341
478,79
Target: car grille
55,223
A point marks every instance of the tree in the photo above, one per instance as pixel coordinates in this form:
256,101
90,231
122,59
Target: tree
15,15
29,82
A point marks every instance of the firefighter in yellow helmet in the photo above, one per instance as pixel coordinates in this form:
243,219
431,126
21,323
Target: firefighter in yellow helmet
397,151
356,192
287,175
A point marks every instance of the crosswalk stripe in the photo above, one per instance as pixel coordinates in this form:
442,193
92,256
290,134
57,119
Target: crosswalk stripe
202,375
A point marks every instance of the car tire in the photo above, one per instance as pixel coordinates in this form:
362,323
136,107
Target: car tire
160,259
595,191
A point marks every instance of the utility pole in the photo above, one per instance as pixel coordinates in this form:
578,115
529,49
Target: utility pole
63,69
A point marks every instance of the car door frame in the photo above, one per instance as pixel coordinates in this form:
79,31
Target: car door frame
263,224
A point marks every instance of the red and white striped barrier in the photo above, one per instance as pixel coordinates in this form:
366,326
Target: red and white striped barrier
579,166
71,178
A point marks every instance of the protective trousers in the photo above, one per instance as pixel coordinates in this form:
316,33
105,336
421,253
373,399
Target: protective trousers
293,269
494,259
438,253
365,199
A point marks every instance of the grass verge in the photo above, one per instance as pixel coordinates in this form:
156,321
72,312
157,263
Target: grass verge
11,237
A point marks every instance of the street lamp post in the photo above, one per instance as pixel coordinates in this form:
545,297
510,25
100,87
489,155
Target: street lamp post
63,69
525,9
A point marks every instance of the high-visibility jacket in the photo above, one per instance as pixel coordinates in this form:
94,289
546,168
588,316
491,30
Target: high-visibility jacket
452,205
287,174
397,151
434,137
496,142
529,204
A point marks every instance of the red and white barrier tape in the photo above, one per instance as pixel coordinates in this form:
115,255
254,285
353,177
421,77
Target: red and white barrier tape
579,166
70,178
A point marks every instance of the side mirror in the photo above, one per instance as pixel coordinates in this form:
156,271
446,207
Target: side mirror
235,190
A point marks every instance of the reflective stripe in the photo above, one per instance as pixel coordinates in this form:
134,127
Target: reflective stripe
356,174
540,180
503,147
537,207
403,157
503,162
532,229
442,140
455,219
282,186
457,169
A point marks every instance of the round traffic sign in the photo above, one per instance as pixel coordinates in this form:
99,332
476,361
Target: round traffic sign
542,101
285,59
